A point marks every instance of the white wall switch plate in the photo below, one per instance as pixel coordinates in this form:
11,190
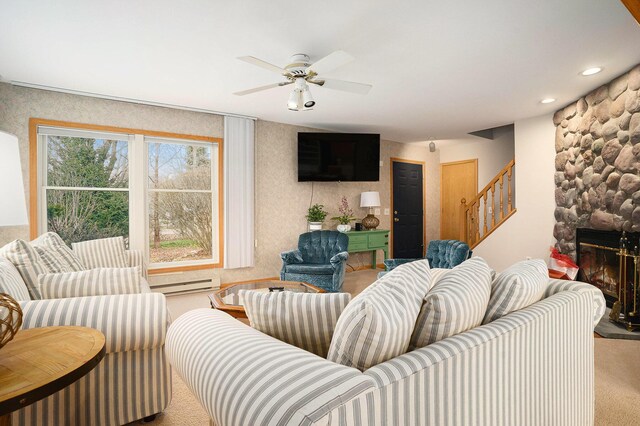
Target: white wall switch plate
386,212
376,212
381,163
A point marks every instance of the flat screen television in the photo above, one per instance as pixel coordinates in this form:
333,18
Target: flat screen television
346,157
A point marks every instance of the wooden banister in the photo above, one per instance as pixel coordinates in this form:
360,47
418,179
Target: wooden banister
471,231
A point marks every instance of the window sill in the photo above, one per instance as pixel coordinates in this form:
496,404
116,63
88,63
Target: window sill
154,270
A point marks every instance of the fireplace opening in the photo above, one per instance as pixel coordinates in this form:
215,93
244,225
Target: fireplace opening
614,271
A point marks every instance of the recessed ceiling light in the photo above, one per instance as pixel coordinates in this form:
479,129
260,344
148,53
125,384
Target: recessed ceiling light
591,71
547,100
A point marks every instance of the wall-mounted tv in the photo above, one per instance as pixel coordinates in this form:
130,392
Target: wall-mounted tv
346,157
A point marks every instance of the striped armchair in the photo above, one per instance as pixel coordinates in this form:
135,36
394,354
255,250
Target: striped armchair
133,381
533,366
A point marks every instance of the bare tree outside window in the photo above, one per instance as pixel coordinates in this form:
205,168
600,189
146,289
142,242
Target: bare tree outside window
180,202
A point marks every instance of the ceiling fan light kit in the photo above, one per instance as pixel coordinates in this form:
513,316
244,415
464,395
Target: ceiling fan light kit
301,72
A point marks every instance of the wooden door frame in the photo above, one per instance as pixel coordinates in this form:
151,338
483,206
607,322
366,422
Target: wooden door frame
424,202
475,163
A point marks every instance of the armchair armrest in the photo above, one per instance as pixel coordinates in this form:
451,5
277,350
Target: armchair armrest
236,371
338,258
390,264
599,304
128,321
292,256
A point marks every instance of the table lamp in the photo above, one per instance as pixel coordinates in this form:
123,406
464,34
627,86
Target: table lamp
14,212
370,199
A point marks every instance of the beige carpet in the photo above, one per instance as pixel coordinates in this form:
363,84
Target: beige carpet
617,370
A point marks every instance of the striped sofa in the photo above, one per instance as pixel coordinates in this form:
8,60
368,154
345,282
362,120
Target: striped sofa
531,367
133,381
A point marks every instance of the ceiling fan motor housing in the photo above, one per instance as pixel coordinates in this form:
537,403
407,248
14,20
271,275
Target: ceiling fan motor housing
299,64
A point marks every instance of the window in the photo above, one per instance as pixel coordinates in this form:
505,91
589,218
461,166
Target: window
160,192
85,184
181,178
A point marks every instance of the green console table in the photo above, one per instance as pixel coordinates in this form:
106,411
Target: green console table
360,241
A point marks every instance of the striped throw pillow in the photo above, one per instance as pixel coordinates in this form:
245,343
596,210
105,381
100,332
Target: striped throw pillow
28,263
305,320
11,282
56,254
102,253
377,324
456,303
94,282
517,287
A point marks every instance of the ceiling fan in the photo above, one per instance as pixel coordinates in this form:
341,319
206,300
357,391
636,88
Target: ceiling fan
300,72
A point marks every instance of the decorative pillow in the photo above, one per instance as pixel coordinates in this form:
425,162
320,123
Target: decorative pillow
55,253
94,282
456,303
305,320
11,282
28,263
377,324
517,287
102,253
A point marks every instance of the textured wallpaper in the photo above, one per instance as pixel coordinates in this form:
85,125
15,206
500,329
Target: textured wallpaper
281,202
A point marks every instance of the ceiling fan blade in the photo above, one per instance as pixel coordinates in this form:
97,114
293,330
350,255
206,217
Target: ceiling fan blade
262,64
261,88
331,62
346,86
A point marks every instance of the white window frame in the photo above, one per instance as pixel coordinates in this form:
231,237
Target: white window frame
138,160
43,153
215,207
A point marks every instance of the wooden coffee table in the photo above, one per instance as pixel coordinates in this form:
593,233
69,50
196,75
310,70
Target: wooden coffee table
39,362
227,299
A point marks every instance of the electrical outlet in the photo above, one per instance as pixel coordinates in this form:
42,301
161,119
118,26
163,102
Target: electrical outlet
386,212
256,243
376,212
527,258
381,164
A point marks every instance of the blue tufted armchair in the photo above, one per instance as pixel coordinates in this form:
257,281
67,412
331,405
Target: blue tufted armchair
440,253
319,260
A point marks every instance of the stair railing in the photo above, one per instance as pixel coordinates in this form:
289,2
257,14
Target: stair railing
487,211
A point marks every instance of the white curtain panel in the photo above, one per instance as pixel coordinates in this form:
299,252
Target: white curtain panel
239,141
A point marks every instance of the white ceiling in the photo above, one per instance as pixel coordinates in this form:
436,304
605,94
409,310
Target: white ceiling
438,68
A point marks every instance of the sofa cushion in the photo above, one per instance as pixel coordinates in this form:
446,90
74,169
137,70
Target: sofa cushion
94,282
11,282
310,268
56,254
457,302
28,263
517,287
377,324
305,320
102,253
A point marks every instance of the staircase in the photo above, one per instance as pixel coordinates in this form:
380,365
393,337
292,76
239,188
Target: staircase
493,205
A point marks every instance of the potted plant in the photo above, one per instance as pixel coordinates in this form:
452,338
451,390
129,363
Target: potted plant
315,217
346,215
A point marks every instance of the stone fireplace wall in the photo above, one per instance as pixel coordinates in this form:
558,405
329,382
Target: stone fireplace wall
598,161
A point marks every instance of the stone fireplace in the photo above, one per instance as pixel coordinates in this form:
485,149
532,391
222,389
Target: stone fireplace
597,162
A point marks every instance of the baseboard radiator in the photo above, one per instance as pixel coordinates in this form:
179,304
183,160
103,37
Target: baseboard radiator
173,283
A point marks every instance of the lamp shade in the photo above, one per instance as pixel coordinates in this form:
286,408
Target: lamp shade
370,199
14,211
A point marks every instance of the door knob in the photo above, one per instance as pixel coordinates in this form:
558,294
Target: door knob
395,219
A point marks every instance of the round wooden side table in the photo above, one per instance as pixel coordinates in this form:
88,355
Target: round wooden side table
41,361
